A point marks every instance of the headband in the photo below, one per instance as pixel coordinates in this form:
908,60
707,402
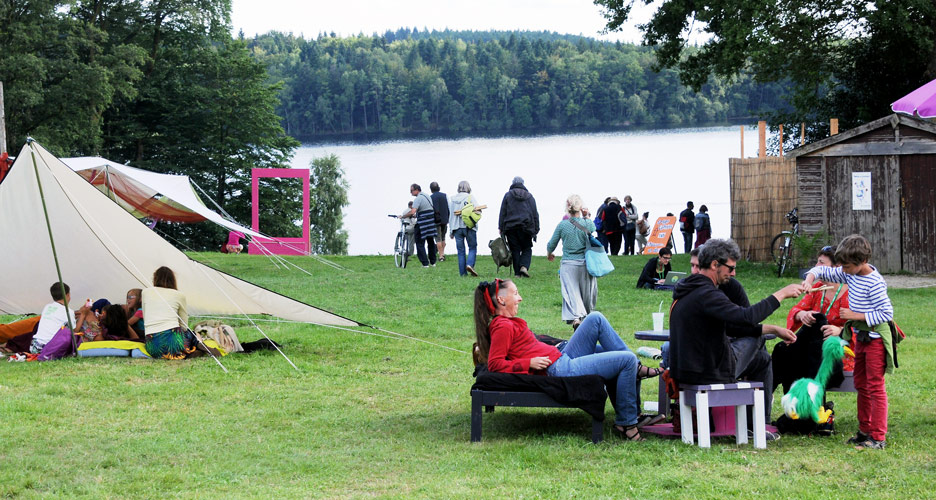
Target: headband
487,296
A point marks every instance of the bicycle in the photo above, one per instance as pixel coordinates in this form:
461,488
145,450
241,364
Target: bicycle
403,243
781,248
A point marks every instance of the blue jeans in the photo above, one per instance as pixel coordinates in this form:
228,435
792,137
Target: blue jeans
580,356
461,234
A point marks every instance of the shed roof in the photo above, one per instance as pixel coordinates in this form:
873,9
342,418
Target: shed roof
840,144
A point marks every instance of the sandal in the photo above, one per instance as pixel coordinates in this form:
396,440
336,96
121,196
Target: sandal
628,433
647,372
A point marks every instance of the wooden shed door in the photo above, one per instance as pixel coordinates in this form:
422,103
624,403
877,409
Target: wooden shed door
918,178
882,224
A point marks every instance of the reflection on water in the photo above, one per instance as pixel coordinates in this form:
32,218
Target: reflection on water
660,169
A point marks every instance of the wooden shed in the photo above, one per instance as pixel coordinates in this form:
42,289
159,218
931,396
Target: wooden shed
878,180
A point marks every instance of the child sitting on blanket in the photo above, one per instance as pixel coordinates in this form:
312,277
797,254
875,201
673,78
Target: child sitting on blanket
89,320
134,311
114,324
53,316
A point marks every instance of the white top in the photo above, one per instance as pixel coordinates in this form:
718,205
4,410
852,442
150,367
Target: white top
163,309
866,294
51,320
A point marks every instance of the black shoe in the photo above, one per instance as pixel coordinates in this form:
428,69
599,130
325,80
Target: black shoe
859,437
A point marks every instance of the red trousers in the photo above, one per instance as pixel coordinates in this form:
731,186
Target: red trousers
872,394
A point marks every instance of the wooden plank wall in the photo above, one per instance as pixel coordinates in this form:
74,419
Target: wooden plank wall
918,181
810,180
881,225
763,190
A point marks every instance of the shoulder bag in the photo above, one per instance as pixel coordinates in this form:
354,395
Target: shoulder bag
596,260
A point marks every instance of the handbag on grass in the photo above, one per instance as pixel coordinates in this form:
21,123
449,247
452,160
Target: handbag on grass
596,260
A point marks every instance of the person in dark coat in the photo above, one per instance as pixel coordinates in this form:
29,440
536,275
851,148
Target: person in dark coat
611,225
519,224
687,225
656,269
440,203
703,317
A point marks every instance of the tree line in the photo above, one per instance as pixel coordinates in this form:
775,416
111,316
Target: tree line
461,81
161,85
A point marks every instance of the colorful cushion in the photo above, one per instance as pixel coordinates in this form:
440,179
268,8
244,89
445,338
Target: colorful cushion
116,348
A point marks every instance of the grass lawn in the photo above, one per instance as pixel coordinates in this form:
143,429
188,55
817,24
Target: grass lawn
370,416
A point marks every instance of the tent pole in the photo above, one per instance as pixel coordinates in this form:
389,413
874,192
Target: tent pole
58,268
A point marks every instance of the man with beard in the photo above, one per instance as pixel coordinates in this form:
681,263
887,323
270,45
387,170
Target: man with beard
703,317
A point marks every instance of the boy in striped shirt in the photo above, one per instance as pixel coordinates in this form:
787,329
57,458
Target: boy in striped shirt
869,315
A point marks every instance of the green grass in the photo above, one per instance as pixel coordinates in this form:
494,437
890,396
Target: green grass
367,416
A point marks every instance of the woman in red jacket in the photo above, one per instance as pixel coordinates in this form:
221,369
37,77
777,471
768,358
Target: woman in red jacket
507,345
787,368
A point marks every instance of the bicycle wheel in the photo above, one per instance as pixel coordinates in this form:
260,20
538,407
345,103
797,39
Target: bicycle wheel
781,249
778,246
399,260
405,250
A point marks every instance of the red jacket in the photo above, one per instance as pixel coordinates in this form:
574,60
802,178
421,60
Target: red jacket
814,302
513,345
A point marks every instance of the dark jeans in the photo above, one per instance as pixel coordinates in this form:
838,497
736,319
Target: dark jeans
752,362
687,241
629,236
614,241
421,249
603,238
521,246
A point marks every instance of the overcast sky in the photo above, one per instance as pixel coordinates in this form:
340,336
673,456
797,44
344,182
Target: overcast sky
350,17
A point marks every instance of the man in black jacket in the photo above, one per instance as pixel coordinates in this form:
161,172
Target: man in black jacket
703,317
687,225
519,223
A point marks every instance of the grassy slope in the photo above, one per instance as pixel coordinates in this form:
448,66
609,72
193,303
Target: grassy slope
372,416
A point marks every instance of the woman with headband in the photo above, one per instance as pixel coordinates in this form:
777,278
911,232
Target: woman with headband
507,345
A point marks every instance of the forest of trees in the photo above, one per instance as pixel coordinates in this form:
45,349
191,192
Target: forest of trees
460,81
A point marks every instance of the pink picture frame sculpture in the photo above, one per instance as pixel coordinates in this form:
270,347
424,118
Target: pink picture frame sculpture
276,245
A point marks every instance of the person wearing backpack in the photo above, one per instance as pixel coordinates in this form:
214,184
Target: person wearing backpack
599,219
703,226
643,230
628,218
461,232
440,205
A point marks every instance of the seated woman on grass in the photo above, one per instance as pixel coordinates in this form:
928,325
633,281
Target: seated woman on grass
656,269
507,345
134,311
167,332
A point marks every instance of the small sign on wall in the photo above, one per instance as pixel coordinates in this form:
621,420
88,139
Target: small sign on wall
861,190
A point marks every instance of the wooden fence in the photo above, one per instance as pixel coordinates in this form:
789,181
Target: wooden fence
763,190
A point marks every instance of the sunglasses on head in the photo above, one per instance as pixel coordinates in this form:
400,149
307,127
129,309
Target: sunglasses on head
827,248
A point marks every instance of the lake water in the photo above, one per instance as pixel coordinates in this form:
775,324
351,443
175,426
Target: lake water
659,169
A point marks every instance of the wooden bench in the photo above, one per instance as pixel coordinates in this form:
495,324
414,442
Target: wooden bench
490,399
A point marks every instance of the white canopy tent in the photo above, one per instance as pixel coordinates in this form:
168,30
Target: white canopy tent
103,250
144,193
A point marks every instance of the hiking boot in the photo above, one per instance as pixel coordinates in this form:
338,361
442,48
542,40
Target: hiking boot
871,444
471,270
771,436
859,437
524,272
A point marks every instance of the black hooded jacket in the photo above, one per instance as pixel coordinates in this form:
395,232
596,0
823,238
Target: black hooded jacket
699,347
518,210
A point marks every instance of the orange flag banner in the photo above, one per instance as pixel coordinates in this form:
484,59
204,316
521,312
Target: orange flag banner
659,235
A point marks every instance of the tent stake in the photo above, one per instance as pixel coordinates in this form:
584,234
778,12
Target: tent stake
58,269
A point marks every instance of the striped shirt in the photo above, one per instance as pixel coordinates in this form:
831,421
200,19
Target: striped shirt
866,294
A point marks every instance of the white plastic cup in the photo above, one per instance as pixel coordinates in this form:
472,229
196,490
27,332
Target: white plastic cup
658,322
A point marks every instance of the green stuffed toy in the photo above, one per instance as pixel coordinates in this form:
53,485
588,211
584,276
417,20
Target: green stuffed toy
806,395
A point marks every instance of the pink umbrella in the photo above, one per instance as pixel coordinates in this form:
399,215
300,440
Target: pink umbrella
921,100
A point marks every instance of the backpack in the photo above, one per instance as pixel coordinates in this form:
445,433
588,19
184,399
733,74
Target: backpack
219,332
500,253
599,219
700,220
469,216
